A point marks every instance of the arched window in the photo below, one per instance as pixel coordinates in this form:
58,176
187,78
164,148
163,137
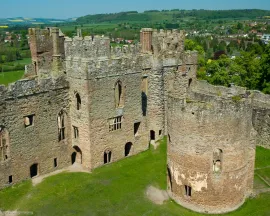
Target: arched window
119,94
107,156
78,101
128,147
4,144
61,125
217,161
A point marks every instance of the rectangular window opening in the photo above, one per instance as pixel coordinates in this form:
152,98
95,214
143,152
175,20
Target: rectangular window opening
188,190
55,162
115,123
28,120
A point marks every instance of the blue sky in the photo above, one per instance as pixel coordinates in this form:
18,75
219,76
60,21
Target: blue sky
76,8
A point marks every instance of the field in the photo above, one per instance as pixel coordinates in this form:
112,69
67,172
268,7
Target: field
10,77
116,189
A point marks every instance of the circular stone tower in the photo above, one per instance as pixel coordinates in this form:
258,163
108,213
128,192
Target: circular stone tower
210,152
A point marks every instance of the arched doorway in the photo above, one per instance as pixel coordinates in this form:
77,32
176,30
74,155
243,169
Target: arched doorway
128,147
76,156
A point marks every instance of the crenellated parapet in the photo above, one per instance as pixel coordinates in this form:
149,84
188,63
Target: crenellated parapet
94,47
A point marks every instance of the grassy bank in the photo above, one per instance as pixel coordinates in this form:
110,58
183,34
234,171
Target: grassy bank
10,77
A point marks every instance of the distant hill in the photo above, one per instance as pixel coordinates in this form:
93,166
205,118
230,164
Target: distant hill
173,15
31,21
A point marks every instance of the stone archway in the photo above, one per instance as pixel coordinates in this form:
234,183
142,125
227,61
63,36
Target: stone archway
76,156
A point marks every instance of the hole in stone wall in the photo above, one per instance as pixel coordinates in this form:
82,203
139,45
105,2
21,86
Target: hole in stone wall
55,162
78,101
128,147
136,128
119,94
159,132
34,170
189,82
193,113
188,191
61,125
152,135
169,137
28,120
4,144
169,177
217,161
73,157
76,132
107,156
10,179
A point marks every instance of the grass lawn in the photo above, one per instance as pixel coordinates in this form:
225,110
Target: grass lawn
10,77
116,189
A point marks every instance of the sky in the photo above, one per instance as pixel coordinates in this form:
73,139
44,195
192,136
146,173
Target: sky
76,8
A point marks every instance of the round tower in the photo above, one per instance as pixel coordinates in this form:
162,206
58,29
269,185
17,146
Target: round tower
210,152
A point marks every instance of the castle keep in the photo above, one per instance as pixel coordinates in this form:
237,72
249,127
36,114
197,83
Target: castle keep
85,102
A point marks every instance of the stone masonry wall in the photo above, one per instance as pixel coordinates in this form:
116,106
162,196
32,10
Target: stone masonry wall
37,143
197,128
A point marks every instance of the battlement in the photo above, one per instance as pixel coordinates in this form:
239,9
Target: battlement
95,47
162,42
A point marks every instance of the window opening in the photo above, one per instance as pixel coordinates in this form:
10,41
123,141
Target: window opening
217,161
115,123
55,162
76,132
78,101
136,128
128,147
188,190
4,144
107,156
61,126
119,94
28,120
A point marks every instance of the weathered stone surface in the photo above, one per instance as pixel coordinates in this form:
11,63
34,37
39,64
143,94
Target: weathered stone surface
114,100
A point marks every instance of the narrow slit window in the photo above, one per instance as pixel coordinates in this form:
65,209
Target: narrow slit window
187,191
78,101
119,94
55,164
61,126
4,144
76,132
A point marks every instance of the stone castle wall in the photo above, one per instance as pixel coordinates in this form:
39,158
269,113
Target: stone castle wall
37,143
117,99
211,149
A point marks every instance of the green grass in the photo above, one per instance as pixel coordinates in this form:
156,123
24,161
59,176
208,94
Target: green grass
10,77
116,189
262,157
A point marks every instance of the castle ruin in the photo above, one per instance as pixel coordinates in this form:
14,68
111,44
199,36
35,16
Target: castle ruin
86,102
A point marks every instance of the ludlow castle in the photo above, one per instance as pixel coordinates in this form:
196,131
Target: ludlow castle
83,101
